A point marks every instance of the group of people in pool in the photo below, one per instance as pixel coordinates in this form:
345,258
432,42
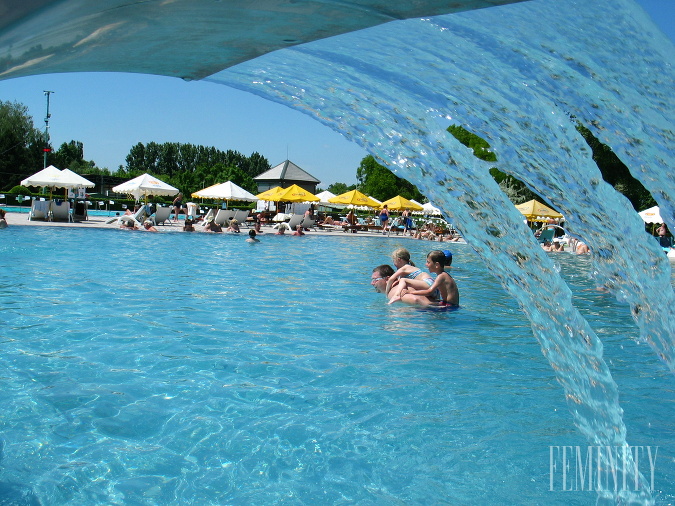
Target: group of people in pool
412,285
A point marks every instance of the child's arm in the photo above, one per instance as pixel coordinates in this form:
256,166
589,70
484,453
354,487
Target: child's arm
431,289
393,278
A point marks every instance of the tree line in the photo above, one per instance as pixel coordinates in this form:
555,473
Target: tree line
191,167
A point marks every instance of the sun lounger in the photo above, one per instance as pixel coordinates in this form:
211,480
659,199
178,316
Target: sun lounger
60,210
161,216
241,216
546,235
138,218
308,223
353,228
224,216
39,210
295,220
80,211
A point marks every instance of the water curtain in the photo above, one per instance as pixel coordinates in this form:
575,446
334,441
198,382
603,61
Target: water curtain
520,76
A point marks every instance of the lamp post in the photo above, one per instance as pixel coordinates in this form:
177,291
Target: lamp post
46,149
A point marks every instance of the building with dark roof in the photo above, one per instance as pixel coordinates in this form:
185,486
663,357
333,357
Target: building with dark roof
285,174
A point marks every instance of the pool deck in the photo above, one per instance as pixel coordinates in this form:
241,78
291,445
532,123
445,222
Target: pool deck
21,219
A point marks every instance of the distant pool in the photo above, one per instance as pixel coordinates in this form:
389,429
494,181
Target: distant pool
198,369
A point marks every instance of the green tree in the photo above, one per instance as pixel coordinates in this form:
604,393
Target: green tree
340,188
515,190
20,145
71,156
615,172
480,147
379,182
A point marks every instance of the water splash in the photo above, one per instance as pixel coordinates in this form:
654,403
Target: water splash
519,76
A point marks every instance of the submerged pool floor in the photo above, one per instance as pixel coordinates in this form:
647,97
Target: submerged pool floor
198,369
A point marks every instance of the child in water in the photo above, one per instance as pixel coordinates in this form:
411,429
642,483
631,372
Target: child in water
406,269
443,291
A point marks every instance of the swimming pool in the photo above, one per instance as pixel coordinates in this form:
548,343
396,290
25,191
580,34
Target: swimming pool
198,369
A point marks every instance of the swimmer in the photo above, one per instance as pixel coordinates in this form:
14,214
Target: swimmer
443,291
407,269
281,228
3,220
251,237
147,225
379,278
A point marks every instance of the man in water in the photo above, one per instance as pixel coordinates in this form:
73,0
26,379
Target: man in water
378,280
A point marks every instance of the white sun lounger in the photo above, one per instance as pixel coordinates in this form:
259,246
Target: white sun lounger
39,210
241,216
138,218
295,220
224,216
161,215
60,211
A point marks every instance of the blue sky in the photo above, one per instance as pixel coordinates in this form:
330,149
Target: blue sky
109,113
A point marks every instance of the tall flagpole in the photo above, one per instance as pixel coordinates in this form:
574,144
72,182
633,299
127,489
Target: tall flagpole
46,149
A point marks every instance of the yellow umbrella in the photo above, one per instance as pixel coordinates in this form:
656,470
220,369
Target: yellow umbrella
354,198
270,194
533,209
399,203
296,194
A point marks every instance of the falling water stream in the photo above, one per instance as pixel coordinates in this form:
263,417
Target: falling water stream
520,76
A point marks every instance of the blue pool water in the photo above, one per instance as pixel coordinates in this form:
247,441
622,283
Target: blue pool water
198,369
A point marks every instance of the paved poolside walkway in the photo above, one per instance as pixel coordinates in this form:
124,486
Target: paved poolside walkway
21,219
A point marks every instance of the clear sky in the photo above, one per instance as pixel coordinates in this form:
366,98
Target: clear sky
109,113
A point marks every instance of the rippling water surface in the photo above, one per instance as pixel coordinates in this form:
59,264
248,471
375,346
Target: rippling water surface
198,369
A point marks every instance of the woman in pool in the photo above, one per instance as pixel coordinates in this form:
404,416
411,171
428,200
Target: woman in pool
443,291
3,221
406,269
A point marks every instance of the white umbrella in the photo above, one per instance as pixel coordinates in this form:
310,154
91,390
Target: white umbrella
225,191
324,196
74,180
49,176
145,185
651,215
429,208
